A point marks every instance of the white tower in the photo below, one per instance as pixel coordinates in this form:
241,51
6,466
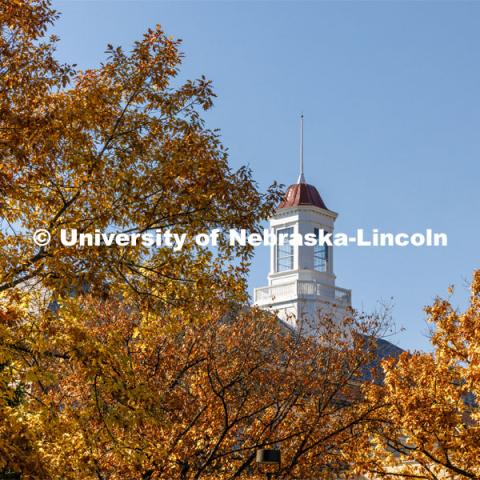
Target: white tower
301,282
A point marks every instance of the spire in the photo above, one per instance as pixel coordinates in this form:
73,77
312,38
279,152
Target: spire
301,177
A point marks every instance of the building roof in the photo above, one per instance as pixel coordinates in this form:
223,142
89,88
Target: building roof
302,193
383,350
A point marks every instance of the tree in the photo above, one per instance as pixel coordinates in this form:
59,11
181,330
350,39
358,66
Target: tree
113,396
429,425
118,148
129,362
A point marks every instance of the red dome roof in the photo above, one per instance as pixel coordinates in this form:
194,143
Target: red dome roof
302,194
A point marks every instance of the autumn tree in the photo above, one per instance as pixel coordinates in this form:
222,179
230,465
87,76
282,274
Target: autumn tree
134,362
120,148
113,396
429,425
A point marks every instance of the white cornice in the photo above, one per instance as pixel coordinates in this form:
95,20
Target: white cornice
289,211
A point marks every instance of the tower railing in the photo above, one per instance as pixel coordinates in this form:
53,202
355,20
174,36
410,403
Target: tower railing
302,289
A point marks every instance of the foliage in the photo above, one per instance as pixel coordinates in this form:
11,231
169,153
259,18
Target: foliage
118,148
429,425
112,395
135,363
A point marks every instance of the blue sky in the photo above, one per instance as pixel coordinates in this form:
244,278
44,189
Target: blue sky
391,97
